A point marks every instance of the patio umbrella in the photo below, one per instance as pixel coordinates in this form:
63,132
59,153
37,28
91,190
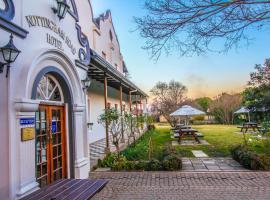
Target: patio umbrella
243,110
187,111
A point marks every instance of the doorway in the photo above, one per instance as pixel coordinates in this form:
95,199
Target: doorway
51,157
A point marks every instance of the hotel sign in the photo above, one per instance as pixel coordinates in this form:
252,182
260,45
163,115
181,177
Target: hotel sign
38,21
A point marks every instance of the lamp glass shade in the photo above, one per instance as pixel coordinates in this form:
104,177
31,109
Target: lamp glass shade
62,8
87,82
10,52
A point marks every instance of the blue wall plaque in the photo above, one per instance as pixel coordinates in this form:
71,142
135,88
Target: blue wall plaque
27,121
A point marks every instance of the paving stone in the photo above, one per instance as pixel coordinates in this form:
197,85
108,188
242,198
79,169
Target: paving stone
226,168
199,154
210,167
211,164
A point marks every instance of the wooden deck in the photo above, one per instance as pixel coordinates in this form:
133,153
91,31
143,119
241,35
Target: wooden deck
68,189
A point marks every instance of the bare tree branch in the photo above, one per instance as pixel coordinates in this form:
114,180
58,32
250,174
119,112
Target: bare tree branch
191,26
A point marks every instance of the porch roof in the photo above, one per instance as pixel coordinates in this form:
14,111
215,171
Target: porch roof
98,67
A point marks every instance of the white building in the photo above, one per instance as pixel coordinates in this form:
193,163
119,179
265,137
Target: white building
44,103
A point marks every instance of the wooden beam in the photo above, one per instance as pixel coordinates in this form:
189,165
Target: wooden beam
121,111
107,148
140,102
121,99
136,105
130,101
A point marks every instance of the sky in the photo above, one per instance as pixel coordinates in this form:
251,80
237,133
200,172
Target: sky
207,75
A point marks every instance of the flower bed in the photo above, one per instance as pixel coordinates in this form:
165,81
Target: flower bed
169,162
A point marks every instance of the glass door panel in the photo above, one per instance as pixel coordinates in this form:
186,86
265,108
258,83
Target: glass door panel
50,144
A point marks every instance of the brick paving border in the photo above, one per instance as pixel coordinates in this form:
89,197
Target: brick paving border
185,185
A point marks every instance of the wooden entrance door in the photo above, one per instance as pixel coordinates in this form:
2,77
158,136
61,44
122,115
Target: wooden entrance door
50,144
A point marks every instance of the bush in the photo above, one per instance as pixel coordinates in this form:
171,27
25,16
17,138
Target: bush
154,165
120,164
108,161
140,165
172,162
249,159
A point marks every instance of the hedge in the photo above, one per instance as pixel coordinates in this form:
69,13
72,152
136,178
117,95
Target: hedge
250,159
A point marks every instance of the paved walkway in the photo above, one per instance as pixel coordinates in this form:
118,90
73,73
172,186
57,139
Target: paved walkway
211,164
184,185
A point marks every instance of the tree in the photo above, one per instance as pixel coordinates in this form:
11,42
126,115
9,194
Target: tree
257,94
224,106
168,97
113,119
204,103
190,26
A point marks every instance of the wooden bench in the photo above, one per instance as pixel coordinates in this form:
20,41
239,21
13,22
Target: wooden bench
68,189
186,132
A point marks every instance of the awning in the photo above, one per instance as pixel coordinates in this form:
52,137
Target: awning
99,67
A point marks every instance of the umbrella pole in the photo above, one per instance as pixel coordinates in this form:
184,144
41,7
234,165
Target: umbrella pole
248,117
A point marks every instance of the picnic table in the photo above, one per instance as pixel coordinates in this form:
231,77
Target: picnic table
188,132
177,129
68,189
250,125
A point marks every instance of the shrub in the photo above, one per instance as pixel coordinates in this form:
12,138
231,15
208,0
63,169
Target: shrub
168,150
172,162
140,165
250,159
109,160
121,164
154,165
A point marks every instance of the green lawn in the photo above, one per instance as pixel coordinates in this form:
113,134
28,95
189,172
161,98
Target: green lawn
220,138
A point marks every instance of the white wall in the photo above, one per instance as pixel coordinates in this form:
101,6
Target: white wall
4,141
104,44
96,96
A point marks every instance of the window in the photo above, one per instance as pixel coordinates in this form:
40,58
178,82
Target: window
49,89
111,35
103,55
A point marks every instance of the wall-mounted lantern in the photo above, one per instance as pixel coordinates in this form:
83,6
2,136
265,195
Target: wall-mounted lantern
90,126
10,54
62,9
86,82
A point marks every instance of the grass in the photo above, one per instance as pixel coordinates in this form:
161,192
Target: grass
220,138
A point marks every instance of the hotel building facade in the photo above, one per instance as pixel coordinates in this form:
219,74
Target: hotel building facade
70,68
